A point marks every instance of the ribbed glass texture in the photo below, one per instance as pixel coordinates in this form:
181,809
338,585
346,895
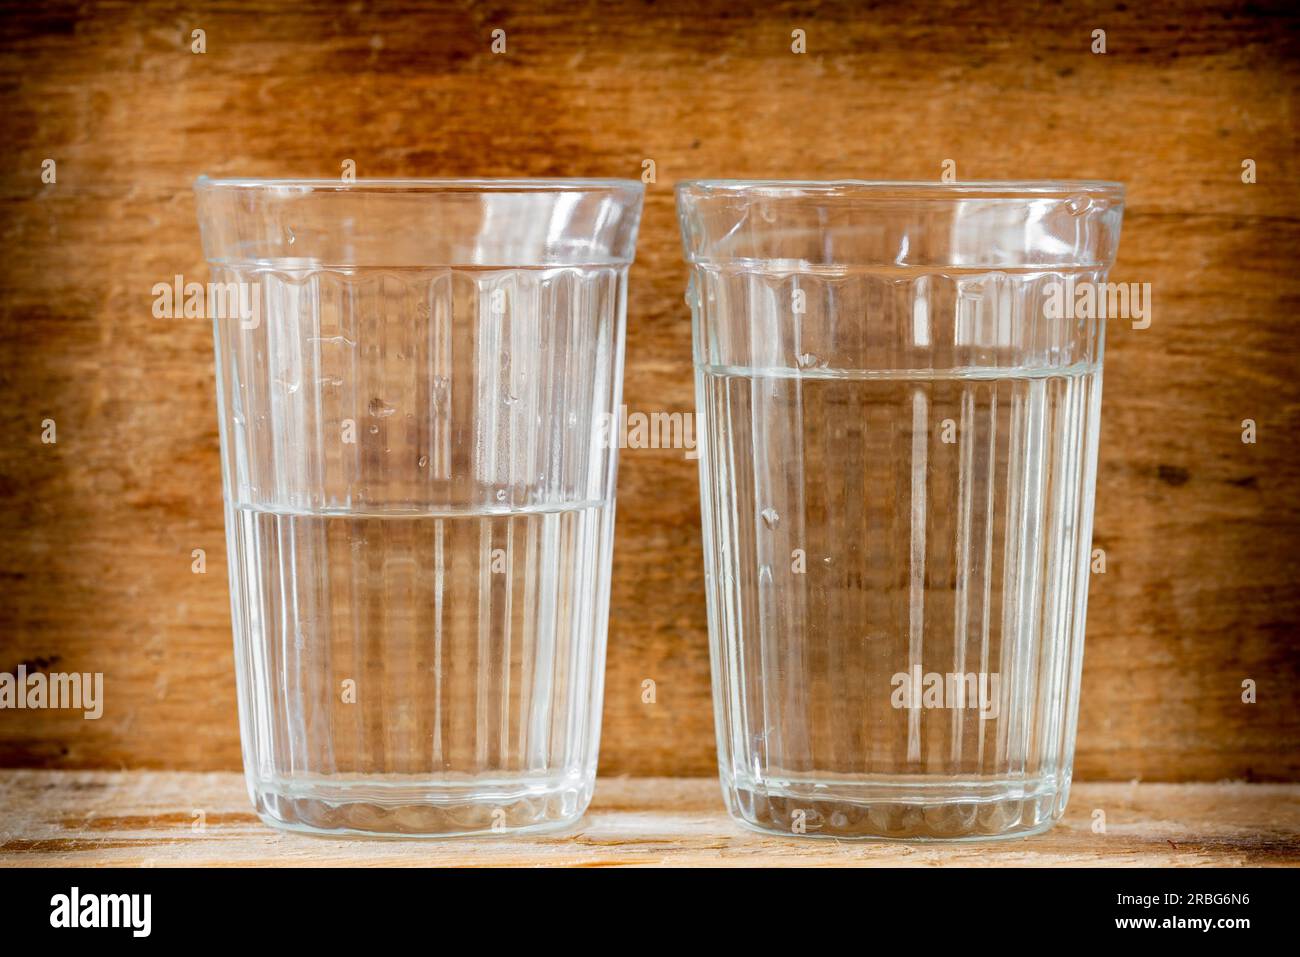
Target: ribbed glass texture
897,472
419,502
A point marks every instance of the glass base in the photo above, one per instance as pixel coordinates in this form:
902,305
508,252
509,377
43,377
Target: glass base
899,809
415,806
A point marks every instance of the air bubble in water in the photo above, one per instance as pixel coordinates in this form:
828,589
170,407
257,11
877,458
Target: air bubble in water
771,518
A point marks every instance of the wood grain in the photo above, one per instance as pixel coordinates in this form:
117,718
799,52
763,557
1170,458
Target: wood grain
139,818
1202,532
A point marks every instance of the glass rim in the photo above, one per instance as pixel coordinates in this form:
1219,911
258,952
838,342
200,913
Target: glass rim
902,189
424,185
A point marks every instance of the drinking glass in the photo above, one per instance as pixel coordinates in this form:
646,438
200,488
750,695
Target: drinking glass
900,387
411,386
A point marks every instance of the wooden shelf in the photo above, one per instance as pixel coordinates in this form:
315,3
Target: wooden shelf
144,818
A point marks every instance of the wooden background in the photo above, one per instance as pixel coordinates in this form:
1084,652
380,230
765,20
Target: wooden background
1201,531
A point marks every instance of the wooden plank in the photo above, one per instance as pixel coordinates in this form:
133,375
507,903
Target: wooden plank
1201,531
148,819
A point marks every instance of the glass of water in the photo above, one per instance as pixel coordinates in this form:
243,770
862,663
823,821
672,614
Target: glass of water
413,378
900,387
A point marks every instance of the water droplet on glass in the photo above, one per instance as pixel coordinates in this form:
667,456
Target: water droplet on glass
692,294
381,409
292,238
771,518
439,392
424,460
828,560
508,397
1077,204
808,360
501,495
328,340
374,430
